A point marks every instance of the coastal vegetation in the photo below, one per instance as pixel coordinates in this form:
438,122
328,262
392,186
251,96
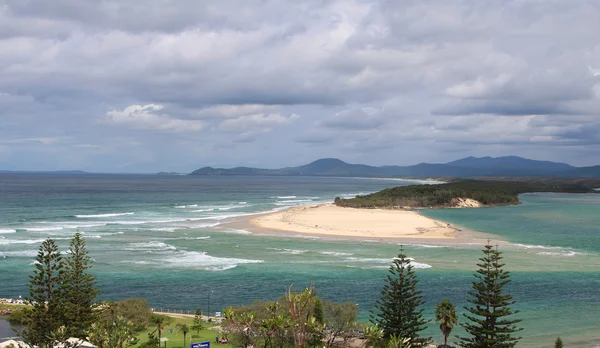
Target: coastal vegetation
297,319
61,292
445,314
489,322
558,343
486,192
399,311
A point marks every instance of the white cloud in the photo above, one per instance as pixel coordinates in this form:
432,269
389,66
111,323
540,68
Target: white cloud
147,117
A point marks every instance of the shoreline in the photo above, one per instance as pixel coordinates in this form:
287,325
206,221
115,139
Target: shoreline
328,221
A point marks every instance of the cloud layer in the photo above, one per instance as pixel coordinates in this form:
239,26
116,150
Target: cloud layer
162,85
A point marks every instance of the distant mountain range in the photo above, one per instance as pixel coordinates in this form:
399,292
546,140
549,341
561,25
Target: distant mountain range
512,166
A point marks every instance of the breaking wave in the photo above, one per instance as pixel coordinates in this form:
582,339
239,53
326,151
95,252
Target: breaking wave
102,215
335,253
288,251
201,260
151,246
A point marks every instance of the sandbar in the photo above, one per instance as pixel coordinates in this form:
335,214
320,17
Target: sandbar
331,220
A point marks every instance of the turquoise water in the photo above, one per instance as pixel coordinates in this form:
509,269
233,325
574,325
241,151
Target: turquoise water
166,239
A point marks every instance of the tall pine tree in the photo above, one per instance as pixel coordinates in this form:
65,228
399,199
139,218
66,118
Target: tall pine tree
488,324
78,289
397,311
44,294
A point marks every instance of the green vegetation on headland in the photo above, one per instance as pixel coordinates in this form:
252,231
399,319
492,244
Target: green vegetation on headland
487,192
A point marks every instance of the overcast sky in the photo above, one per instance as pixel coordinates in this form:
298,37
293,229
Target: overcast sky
165,85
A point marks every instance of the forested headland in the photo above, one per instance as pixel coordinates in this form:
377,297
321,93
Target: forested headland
487,192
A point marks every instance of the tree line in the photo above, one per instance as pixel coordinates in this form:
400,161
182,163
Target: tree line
301,319
62,293
62,305
488,192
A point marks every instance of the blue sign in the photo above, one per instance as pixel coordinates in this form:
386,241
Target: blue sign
200,345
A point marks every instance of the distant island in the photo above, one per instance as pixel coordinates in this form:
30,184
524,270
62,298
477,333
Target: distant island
469,167
466,193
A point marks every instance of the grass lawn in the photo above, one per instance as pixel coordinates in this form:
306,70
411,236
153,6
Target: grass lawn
11,306
176,338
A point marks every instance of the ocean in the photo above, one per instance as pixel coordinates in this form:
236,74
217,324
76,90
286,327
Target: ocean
166,238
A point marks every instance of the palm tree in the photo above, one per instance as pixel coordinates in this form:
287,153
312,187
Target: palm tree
445,314
159,321
183,328
373,336
398,342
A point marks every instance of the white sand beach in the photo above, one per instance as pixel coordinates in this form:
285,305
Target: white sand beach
331,220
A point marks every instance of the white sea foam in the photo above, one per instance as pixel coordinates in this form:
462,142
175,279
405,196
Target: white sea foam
551,250
43,229
201,260
139,262
112,233
234,231
85,225
20,241
303,236
220,268
186,206
221,217
564,253
527,246
288,251
370,260
151,246
102,215
414,264
19,253
7,230
286,197
203,225
335,253
424,245
202,210
295,201
386,261
161,229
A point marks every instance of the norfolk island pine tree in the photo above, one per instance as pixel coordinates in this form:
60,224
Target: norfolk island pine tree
45,295
398,310
487,322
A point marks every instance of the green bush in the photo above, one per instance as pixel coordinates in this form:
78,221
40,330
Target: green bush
18,316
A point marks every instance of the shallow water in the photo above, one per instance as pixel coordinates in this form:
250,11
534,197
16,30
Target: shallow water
163,238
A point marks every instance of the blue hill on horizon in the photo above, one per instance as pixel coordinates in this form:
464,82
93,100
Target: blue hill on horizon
512,166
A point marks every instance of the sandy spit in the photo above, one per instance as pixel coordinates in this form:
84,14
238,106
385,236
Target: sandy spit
331,220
